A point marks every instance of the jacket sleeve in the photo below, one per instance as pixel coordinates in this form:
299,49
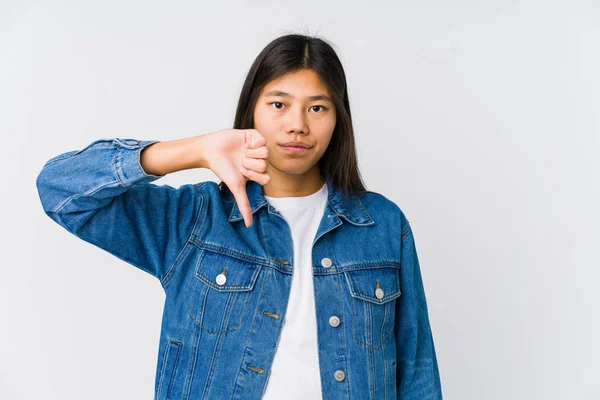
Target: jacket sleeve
102,195
417,375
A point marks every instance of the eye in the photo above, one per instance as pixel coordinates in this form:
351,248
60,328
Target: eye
323,107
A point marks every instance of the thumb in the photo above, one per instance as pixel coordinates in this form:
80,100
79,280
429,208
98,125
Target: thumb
249,138
241,198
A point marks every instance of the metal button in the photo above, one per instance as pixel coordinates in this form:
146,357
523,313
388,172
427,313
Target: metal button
334,321
221,279
379,293
326,262
339,375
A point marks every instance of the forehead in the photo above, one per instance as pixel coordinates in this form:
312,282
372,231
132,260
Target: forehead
303,81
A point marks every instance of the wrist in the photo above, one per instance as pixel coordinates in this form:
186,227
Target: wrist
200,151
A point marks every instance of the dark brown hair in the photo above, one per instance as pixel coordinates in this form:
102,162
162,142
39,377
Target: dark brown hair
290,53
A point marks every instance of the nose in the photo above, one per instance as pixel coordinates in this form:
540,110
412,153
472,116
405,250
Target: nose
296,121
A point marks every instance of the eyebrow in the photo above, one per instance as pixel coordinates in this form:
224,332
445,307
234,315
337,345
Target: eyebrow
311,98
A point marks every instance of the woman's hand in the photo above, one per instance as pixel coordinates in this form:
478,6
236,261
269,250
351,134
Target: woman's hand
236,155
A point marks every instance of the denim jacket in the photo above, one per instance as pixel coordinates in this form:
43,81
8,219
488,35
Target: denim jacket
227,286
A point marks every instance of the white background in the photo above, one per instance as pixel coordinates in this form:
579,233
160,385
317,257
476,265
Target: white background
481,121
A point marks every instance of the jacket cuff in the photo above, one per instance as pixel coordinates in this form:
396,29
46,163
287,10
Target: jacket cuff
127,162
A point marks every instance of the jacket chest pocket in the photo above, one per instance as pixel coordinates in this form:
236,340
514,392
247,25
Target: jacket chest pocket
373,292
222,289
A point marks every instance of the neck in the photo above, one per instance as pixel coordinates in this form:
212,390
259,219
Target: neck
294,185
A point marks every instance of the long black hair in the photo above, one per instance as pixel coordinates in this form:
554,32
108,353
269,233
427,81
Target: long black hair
294,52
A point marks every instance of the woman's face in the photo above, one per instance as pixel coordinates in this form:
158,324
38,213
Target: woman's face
295,108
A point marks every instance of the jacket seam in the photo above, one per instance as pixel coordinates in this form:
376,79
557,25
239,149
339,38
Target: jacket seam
404,236
172,269
406,229
76,196
116,169
363,207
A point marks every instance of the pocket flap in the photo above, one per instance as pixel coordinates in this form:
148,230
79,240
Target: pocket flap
239,275
364,284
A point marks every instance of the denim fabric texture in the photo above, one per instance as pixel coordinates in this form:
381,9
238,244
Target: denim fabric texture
227,286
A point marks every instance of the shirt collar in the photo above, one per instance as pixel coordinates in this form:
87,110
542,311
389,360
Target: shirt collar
350,207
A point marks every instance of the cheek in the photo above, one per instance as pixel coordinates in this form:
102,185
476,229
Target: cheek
326,131
265,124
325,125
332,121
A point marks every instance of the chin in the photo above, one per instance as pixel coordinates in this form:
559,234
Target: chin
288,168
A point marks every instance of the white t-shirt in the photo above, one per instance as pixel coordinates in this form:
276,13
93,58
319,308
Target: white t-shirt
295,370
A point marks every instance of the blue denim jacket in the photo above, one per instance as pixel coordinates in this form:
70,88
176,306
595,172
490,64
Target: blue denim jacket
227,285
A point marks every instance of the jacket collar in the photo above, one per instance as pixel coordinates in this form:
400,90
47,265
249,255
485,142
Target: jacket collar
351,208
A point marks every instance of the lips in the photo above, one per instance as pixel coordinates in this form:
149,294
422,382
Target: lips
296,144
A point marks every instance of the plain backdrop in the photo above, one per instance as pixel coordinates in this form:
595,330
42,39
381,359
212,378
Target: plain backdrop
481,120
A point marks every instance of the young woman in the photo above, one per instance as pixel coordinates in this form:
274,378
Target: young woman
288,280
